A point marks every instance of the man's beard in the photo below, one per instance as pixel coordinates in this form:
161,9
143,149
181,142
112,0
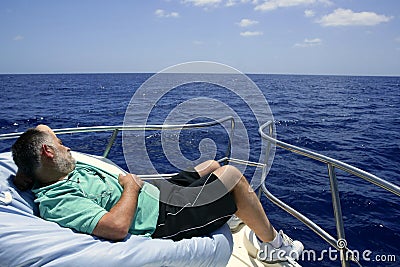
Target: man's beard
64,162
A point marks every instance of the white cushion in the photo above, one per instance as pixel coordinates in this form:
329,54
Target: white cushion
27,240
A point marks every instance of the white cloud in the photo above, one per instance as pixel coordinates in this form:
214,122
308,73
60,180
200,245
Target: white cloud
326,2
346,17
203,2
309,13
262,5
274,4
235,2
269,5
18,38
163,14
247,22
249,33
309,42
230,3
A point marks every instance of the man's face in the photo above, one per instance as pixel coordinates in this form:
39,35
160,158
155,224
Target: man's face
63,160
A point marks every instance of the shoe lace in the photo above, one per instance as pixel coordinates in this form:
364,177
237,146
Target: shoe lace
286,240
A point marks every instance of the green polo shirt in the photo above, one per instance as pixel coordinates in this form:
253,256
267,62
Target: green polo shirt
80,200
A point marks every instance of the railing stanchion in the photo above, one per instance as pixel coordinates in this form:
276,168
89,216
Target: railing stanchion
110,143
337,209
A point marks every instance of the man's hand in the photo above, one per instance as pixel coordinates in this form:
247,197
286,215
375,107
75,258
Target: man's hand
130,180
114,225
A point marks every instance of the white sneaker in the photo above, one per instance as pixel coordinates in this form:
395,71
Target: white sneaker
235,223
289,250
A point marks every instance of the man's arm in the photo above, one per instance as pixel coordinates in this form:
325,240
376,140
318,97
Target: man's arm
114,225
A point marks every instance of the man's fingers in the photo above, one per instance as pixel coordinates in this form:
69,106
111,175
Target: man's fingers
137,180
127,178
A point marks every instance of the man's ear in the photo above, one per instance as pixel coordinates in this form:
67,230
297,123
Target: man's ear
47,151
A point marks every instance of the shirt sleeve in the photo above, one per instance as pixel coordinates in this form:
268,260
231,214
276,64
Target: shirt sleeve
69,207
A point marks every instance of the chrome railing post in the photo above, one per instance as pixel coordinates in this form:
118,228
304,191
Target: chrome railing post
337,209
266,163
110,143
230,141
340,244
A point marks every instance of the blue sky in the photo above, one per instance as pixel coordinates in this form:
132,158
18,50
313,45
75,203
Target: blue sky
350,37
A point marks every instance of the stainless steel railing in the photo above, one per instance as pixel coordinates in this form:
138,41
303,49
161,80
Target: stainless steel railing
339,243
332,164
117,129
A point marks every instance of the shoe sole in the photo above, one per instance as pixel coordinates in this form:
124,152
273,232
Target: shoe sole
237,228
248,244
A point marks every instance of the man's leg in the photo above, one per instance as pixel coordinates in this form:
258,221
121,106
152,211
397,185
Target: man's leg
274,246
204,204
207,167
249,208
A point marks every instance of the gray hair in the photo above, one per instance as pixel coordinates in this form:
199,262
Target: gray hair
27,150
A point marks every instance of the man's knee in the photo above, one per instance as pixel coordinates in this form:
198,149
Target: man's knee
213,165
228,170
207,167
229,176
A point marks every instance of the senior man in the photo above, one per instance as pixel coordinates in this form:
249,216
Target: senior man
93,201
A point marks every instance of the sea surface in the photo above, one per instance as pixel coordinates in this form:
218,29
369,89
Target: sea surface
353,119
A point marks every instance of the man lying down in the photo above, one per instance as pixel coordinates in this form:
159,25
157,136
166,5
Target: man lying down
90,200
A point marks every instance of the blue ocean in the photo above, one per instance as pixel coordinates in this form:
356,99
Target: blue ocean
353,119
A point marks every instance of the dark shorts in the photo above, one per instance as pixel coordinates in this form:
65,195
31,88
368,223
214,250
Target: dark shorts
191,205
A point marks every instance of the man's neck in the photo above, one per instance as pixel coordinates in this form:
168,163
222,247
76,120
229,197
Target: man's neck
43,184
49,177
